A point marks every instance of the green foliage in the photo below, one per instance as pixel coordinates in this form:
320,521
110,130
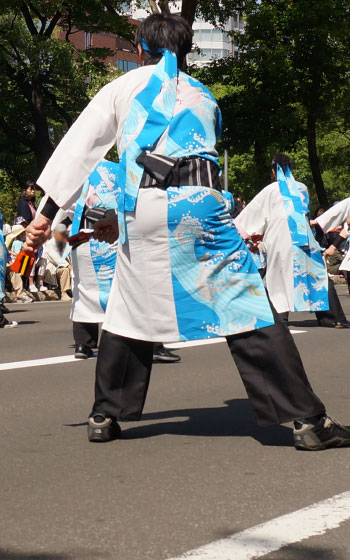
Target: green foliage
289,89
44,81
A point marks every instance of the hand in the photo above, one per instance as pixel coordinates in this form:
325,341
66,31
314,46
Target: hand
38,231
106,229
313,222
330,251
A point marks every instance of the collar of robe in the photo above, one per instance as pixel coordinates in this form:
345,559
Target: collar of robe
293,205
154,106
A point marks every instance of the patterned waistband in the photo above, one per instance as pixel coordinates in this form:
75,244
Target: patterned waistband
163,172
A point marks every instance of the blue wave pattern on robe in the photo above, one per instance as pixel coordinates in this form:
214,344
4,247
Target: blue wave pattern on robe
217,288
309,269
104,182
3,258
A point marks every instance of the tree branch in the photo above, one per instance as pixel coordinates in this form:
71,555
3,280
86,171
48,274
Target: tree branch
54,21
28,19
39,16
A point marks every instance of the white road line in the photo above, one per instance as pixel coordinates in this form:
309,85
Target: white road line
204,341
66,359
277,533
39,362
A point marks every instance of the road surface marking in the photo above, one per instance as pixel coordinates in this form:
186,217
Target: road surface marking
277,533
39,362
65,359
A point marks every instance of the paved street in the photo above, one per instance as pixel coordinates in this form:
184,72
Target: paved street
195,470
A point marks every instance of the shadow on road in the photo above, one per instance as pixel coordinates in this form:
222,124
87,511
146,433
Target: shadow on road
301,552
235,419
307,324
78,555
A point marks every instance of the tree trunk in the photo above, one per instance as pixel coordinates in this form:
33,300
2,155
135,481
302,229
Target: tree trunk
42,144
314,160
188,10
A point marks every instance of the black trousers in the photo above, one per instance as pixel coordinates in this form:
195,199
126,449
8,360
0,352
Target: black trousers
2,319
335,313
85,334
267,359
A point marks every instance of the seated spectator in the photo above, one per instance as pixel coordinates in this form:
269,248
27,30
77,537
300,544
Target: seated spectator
14,242
36,279
26,204
58,270
20,221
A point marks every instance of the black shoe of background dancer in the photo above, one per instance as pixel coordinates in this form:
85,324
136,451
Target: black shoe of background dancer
161,354
101,429
342,325
326,434
83,352
4,309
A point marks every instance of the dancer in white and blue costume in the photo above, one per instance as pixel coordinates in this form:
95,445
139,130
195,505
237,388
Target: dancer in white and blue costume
296,274
94,262
183,271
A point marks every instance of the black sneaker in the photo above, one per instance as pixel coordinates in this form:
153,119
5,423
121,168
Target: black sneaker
101,429
161,354
326,434
342,325
83,352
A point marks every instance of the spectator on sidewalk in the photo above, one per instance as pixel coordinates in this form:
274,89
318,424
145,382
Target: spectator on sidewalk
26,205
58,268
14,242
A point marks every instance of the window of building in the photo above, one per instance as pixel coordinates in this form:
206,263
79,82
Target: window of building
217,35
205,34
126,65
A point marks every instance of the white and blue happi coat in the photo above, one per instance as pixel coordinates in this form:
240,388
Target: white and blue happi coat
3,259
94,262
296,276
183,270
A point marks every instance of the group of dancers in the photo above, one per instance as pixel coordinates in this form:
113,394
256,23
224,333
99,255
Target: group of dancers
166,262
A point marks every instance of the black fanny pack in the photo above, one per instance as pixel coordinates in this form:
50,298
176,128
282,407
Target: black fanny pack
92,215
163,172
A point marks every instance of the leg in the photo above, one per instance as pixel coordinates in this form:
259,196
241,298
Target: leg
63,276
335,314
85,334
273,374
85,339
123,372
16,283
284,316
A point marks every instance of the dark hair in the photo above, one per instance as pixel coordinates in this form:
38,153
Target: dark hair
283,160
170,32
27,185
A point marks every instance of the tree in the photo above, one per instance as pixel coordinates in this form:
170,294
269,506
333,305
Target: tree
216,12
43,79
290,77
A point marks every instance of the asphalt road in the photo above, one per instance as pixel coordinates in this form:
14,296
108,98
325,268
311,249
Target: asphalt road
194,470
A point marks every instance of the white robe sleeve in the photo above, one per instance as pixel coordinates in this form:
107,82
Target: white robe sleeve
252,220
335,216
85,144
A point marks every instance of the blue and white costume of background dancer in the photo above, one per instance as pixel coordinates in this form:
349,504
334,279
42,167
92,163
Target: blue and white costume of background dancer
3,260
94,262
183,270
296,275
